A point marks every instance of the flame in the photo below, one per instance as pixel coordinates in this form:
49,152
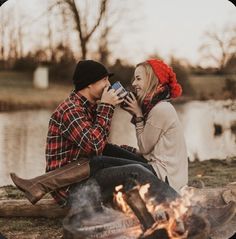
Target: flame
168,216
119,200
143,190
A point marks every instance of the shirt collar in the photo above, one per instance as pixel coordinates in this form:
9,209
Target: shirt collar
77,97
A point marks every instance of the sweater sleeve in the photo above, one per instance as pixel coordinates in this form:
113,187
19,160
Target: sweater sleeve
159,120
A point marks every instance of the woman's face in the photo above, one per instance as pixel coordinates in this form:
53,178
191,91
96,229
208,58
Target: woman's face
140,80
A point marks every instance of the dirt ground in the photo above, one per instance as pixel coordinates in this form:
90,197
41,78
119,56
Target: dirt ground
210,173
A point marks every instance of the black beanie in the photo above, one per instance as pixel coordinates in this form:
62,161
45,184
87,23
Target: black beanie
88,72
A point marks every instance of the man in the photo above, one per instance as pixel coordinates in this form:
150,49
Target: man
78,128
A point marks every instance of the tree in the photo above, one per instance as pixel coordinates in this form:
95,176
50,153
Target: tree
103,48
81,23
219,46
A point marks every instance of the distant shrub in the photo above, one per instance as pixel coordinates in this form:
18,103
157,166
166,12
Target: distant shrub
62,68
27,63
182,75
62,72
123,73
230,86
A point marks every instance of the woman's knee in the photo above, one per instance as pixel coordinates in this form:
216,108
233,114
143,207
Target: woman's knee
138,168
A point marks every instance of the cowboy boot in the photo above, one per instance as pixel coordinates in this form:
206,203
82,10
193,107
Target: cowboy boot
35,188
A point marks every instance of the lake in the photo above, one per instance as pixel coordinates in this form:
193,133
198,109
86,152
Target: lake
209,128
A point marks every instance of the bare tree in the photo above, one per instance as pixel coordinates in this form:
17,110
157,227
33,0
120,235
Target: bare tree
20,41
219,46
81,25
103,48
2,41
50,39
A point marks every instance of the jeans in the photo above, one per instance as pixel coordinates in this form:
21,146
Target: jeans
110,171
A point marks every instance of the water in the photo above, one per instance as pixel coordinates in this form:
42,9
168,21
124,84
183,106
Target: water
23,135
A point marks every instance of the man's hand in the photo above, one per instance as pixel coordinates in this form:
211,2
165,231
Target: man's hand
111,96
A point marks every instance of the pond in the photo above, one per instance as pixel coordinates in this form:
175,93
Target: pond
209,128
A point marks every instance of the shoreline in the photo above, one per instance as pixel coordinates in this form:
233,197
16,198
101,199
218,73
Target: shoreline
53,102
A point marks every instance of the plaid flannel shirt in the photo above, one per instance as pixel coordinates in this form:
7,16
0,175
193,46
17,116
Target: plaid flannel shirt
77,128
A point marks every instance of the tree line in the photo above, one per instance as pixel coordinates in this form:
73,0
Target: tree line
80,33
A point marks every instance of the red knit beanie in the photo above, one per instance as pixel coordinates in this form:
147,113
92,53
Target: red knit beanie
166,75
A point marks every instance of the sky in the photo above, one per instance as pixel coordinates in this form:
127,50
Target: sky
163,27
177,26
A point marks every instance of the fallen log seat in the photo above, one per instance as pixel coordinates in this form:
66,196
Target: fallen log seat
23,208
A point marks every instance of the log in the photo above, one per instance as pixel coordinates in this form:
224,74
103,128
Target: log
215,196
218,197
23,208
49,209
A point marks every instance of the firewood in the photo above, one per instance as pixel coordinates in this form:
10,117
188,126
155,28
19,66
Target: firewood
23,208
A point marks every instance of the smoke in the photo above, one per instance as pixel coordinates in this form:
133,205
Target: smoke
89,218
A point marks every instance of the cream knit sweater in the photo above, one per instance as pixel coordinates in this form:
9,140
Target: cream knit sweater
161,142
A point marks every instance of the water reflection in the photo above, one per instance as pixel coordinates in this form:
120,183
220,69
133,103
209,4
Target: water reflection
23,135
22,143
203,140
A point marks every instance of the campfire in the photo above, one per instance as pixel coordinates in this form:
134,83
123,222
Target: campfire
139,217
167,220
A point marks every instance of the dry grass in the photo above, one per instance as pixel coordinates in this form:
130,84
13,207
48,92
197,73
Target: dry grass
21,94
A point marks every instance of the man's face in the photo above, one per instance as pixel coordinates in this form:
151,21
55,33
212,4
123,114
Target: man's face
96,89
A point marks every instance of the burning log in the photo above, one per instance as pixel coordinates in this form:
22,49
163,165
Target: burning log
158,234
135,202
151,227
138,206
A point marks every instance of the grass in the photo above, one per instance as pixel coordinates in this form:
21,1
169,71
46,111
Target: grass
27,228
213,173
21,94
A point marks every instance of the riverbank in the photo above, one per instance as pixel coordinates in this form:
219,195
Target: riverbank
21,95
209,173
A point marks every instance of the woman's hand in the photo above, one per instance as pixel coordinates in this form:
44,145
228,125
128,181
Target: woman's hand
132,105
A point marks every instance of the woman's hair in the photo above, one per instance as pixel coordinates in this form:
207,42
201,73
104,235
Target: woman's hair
152,80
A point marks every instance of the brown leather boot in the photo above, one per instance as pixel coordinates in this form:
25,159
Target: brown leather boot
37,187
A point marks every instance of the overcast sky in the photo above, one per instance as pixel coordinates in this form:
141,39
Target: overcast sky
166,27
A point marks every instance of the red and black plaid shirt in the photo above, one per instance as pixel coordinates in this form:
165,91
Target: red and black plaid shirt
77,128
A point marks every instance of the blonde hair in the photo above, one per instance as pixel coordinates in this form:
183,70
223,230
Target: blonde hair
152,80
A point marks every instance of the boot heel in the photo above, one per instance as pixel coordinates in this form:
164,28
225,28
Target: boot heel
31,198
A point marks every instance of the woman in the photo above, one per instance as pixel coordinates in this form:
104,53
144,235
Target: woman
158,130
